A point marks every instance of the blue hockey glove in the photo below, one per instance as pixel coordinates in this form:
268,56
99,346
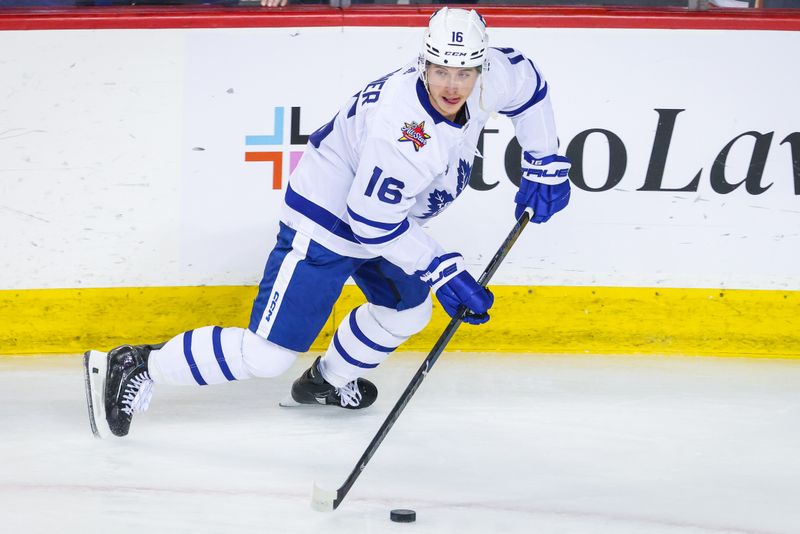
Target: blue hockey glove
454,287
544,187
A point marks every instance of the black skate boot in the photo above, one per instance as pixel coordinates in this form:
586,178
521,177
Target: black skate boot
117,386
312,388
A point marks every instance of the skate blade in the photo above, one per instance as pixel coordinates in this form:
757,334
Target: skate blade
289,402
95,365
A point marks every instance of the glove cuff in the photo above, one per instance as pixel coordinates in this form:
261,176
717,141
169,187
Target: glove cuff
550,170
441,270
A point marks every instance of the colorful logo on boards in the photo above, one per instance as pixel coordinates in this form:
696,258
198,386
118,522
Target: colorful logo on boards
280,152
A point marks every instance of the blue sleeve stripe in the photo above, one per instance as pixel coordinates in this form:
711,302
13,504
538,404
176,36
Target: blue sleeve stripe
216,340
384,238
319,215
334,224
187,353
362,337
516,59
537,97
538,76
369,222
538,94
346,357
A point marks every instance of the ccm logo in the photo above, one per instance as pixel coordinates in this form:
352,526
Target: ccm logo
455,54
272,304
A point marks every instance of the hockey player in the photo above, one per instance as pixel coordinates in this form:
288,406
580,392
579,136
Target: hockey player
396,154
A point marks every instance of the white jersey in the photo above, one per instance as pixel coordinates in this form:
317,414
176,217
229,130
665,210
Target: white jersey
388,160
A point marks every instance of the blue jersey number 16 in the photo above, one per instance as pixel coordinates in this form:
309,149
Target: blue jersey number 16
389,190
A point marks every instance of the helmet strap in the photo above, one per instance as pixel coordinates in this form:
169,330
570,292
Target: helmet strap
480,100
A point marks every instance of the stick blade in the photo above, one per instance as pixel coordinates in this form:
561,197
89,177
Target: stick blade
323,500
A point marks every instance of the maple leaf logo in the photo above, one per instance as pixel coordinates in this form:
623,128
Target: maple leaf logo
464,172
415,133
438,200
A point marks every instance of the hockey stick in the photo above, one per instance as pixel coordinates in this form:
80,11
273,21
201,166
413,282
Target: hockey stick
326,500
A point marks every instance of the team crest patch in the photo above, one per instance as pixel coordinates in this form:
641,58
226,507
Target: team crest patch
414,132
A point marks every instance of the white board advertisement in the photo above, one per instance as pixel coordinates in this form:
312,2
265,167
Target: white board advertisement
148,157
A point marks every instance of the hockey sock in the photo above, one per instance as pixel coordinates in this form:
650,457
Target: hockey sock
214,355
359,344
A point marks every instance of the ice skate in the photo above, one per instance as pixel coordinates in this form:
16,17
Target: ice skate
312,388
117,386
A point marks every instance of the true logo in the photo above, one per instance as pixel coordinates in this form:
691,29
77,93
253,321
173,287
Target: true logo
415,133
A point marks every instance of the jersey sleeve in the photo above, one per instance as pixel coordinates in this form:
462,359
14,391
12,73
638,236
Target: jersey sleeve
525,99
383,192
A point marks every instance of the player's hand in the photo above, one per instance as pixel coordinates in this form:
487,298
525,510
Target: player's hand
274,3
455,287
544,187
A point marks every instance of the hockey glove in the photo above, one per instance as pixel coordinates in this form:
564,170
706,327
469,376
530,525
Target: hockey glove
544,187
455,287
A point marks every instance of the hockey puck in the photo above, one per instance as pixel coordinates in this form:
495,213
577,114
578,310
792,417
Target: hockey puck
403,516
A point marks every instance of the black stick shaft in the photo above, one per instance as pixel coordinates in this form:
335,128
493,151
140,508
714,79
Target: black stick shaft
427,364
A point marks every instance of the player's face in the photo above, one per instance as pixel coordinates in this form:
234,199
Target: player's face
449,87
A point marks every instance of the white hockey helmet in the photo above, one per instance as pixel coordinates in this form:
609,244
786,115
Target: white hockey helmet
455,38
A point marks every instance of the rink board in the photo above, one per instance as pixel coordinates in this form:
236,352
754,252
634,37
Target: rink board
609,320
139,198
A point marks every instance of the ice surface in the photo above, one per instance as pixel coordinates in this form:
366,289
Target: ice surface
489,444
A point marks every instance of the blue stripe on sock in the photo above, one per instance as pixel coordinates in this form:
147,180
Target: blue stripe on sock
187,352
216,340
349,359
362,337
